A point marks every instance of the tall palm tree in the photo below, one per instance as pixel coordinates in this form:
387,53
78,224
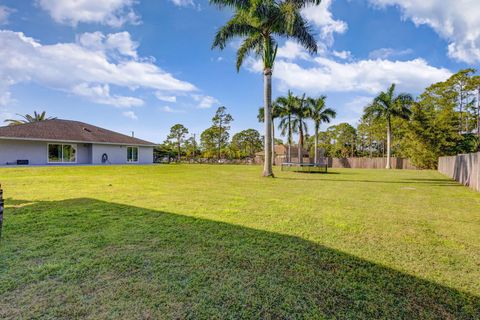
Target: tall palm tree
301,112
387,105
275,115
259,23
286,106
27,118
319,113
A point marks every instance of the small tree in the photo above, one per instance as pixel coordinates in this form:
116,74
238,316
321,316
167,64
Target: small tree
221,120
210,139
247,142
177,136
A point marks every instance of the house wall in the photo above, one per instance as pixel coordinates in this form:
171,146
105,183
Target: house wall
118,154
36,153
33,151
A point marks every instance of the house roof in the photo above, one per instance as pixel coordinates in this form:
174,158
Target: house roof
68,131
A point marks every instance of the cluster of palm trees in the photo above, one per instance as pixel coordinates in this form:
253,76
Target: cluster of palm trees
293,113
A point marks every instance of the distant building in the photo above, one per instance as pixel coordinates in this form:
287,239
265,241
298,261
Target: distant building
59,141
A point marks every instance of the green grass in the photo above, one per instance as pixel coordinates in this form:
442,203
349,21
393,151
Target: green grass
216,242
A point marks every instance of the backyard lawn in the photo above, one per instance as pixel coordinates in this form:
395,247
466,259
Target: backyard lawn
216,242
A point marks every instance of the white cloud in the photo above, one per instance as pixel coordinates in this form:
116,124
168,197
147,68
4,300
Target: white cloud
130,114
4,14
183,3
357,105
113,13
457,21
171,110
160,96
205,102
322,17
86,68
345,55
101,94
366,76
385,53
120,43
292,50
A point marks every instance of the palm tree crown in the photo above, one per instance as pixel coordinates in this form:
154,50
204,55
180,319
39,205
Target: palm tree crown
260,22
388,105
27,118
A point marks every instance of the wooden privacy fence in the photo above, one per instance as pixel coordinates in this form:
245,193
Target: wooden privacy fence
464,168
370,163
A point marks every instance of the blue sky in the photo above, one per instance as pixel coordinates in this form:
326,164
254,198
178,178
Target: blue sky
143,66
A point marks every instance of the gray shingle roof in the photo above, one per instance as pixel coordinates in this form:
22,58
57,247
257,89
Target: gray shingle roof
68,131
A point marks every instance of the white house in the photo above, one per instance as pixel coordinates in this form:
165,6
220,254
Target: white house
59,141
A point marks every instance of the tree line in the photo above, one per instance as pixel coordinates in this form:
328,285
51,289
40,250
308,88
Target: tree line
291,111
443,120
215,142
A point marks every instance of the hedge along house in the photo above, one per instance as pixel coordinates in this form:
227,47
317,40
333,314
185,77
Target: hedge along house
70,142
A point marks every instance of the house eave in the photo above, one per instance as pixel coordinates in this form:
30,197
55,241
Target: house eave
77,141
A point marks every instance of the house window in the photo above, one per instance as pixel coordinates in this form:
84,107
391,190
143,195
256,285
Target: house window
132,154
62,153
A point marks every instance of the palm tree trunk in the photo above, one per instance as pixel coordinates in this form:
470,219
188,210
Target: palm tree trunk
267,97
316,144
219,141
300,145
389,139
273,142
289,140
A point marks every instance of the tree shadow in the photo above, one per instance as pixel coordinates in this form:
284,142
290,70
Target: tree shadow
85,258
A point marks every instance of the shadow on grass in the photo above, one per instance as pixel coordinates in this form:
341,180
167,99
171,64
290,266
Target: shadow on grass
89,258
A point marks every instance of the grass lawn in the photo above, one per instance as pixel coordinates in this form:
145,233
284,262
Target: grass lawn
216,242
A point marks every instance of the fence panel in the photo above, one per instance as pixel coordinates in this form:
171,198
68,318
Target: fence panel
464,168
370,163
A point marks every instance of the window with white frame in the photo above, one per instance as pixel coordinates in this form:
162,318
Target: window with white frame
62,153
132,154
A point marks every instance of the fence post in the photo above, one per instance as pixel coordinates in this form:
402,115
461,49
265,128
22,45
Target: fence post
1,210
